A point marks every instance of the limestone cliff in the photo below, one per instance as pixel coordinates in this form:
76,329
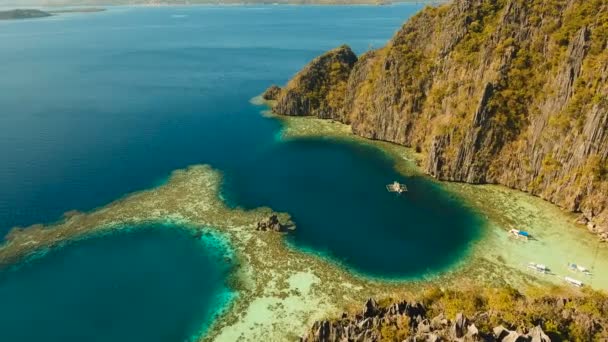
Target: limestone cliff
319,88
513,92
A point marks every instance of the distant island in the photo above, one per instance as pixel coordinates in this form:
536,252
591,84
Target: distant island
23,14
34,13
212,2
78,10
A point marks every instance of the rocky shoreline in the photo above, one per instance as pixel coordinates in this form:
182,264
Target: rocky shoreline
413,321
506,92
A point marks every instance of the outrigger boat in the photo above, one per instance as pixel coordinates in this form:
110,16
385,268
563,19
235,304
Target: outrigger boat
579,268
538,267
520,234
396,187
573,281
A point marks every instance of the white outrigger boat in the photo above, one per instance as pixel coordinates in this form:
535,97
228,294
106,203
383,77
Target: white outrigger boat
573,281
396,187
520,234
579,268
538,267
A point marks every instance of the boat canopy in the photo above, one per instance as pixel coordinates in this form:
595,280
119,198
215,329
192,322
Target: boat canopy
522,233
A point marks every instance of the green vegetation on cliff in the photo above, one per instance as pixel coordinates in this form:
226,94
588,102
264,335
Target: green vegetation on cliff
321,89
473,314
493,91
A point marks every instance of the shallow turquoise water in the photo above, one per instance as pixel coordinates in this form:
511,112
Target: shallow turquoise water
99,105
146,285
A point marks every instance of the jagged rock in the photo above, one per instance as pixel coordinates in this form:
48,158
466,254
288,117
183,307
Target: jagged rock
566,314
561,303
413,310
514,336
272,223
371,308
500,332
439,322
424,326
582,219
272,93
459,329
538,335
472,331
431,338
318,89
369,325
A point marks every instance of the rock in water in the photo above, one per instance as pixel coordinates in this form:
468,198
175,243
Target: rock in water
272,223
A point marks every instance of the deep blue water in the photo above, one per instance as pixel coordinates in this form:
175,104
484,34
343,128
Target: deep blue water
94,106
335,192
148,285
98,105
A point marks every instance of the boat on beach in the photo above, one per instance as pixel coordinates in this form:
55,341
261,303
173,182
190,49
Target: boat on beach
573,281
540,268
579,268
396,187
520,234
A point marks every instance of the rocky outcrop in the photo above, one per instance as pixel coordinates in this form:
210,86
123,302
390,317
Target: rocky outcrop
501,315
406,321
272,93
319,88
493,91
273,224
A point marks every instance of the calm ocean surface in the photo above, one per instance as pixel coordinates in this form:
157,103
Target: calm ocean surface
94,106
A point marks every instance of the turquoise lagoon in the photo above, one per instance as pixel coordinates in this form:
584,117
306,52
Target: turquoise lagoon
156,283
95,106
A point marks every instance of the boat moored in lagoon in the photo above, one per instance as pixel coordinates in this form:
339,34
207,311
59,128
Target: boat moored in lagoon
538,267
520,234
396,187
579,268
